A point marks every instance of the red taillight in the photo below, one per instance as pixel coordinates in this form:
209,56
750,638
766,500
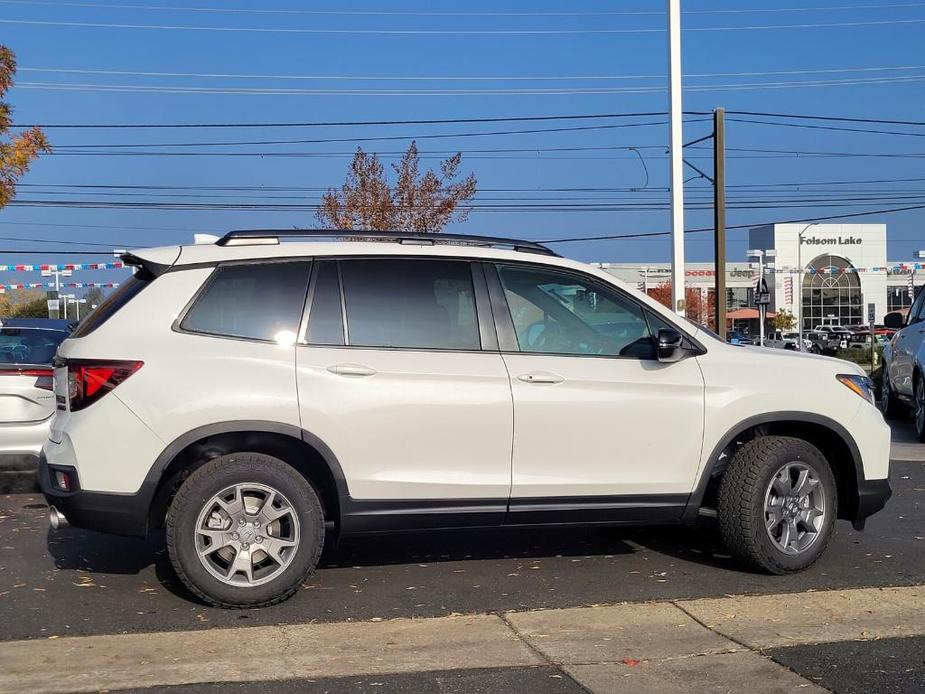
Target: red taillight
89,380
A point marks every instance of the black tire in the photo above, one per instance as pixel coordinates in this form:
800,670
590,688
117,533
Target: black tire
891,407
919,413
741,503
210,479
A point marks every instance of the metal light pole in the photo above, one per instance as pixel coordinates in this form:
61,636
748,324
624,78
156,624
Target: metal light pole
677,162
762,307
800,288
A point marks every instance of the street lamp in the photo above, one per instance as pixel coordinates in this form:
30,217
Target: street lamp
761,301
800,282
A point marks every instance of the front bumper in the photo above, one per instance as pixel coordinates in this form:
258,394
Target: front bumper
118,514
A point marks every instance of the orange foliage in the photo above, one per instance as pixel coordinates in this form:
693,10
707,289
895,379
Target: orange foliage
418,202
699,306
17,154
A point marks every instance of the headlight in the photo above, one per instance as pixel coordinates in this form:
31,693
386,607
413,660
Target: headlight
861,385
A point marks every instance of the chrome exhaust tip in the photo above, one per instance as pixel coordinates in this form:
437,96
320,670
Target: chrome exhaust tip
56,519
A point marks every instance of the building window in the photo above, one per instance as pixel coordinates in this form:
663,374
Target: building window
897,298
832,293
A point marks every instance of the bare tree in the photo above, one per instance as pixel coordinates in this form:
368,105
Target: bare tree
418,202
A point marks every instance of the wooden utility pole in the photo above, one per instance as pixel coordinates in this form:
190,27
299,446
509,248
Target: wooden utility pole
719,217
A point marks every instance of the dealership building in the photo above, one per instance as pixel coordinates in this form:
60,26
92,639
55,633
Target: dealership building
844,268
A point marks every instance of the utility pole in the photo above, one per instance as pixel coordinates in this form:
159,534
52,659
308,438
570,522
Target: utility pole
719,217
677,156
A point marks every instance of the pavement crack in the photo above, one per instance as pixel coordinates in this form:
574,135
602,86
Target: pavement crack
540,654
744,645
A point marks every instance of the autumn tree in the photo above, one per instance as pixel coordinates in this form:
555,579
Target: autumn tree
424,202
23,303
18,153
784,320
700,306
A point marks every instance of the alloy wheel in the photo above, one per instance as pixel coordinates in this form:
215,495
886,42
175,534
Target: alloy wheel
247,534
794,508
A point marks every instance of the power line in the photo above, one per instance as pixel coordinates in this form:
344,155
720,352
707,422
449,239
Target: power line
838,128
844,119
331,124
736,226
455,78
380,138
453,32
393,13
525,91
449,121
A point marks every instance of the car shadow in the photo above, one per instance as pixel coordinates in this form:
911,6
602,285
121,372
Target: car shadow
88,551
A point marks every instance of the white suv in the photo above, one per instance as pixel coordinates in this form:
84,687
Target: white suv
255,396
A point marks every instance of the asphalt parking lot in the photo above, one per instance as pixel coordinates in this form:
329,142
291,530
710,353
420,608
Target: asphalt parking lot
76,583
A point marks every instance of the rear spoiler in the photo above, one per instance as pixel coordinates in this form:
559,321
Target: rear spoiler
155,261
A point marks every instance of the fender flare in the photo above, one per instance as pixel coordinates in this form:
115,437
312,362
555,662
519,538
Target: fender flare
692,508
155,475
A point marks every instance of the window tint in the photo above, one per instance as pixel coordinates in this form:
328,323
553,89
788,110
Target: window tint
410,303
259,300
29,345
325,319
917,313
112,303
557,313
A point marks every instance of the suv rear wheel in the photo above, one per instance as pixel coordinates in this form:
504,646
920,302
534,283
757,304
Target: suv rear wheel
777,504
244,530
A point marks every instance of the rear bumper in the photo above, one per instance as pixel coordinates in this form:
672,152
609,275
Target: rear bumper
118,514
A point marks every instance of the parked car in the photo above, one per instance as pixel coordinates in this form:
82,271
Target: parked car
788,340
737,337
27,400
903,386
255,396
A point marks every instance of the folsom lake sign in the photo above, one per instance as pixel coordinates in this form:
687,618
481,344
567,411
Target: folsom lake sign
836,241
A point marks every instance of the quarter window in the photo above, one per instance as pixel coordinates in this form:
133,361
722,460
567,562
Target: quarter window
557,313
260,301
325,319
425,304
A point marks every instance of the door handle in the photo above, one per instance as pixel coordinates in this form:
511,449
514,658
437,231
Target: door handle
540,377
351,370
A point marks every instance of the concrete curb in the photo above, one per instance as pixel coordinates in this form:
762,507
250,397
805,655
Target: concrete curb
709,644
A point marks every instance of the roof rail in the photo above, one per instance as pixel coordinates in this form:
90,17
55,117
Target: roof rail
247,237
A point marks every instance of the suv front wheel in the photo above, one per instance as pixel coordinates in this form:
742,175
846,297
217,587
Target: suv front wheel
777,504
244,530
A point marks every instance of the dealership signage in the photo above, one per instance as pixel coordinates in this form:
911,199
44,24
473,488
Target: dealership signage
835,241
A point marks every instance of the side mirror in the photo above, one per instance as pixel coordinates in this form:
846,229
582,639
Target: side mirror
670,345
893,320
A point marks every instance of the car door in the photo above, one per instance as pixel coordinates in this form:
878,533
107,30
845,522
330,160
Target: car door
399,374
907,344
603,430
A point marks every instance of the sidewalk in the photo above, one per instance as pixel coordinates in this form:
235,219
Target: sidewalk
703,645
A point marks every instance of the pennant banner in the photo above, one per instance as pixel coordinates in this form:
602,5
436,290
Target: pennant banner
51,285
901,269
68,266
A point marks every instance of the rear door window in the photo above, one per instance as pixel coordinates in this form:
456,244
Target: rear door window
259,301
416,304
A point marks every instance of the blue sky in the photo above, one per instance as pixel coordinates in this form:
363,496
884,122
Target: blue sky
869,60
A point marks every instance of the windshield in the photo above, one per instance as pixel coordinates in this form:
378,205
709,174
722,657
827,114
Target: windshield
29,345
